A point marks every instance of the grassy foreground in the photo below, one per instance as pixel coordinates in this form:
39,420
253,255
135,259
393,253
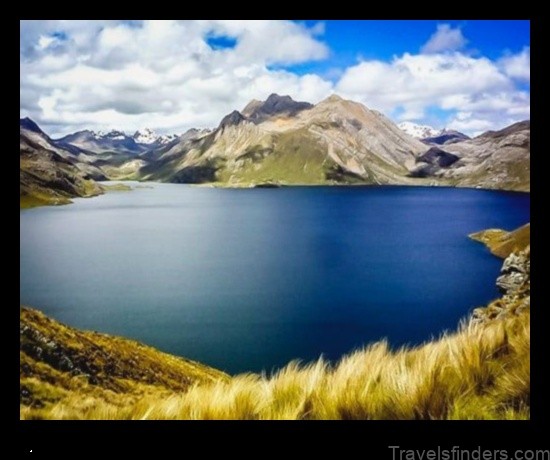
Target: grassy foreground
480,372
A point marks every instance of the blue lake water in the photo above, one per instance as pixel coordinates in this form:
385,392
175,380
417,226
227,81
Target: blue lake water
246,280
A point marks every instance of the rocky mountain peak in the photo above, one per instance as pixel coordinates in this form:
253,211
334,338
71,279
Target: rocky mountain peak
509,130
333,98
274,105
233,119
274,99
251,107
145,136
446,136
27,123
112,134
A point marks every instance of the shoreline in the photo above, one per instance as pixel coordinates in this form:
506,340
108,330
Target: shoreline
214,185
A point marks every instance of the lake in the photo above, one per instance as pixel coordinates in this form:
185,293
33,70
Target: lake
249,279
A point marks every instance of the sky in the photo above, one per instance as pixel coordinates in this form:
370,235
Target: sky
174,75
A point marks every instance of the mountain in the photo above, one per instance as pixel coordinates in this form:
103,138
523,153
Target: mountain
495,160
430,135
283,142
432,161
30,126
81,158
121,166
418,131
280,141
49,174
446,136
258,111
148,137
116,141
99,142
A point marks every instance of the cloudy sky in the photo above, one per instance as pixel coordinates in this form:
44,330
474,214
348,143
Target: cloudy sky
174,75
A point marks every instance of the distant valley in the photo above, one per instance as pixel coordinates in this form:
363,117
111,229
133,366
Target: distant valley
276,142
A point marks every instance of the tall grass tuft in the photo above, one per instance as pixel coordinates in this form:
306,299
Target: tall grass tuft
480,372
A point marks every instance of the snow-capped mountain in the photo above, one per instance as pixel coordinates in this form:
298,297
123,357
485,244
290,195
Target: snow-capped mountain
115,140
113,135
430,135
148,136
418,131
446,136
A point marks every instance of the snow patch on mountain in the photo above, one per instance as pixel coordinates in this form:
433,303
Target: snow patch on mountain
144,136
418,131
148,136
113,134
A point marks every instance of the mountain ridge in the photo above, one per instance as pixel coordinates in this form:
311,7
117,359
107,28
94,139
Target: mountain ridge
333,142
116,141
275,105
291,146
50,174
280,141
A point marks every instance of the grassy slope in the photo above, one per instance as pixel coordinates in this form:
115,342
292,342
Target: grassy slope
309,156
502,243
296,159
38,198
37,195
116,187
47,181
59,363
291,163
480,372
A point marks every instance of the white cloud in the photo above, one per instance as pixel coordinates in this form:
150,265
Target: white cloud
421,80
45,40
274,42
466,123
445,38
165,75
451,82
518,66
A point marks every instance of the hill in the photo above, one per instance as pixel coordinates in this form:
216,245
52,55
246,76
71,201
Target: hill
284,142
59,363
502,243
49,174
280,141
494,160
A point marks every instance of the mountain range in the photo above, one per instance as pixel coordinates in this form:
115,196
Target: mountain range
116,141
278,142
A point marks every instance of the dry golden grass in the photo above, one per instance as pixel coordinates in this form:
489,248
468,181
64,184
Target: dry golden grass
60,363
502,243
480,372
